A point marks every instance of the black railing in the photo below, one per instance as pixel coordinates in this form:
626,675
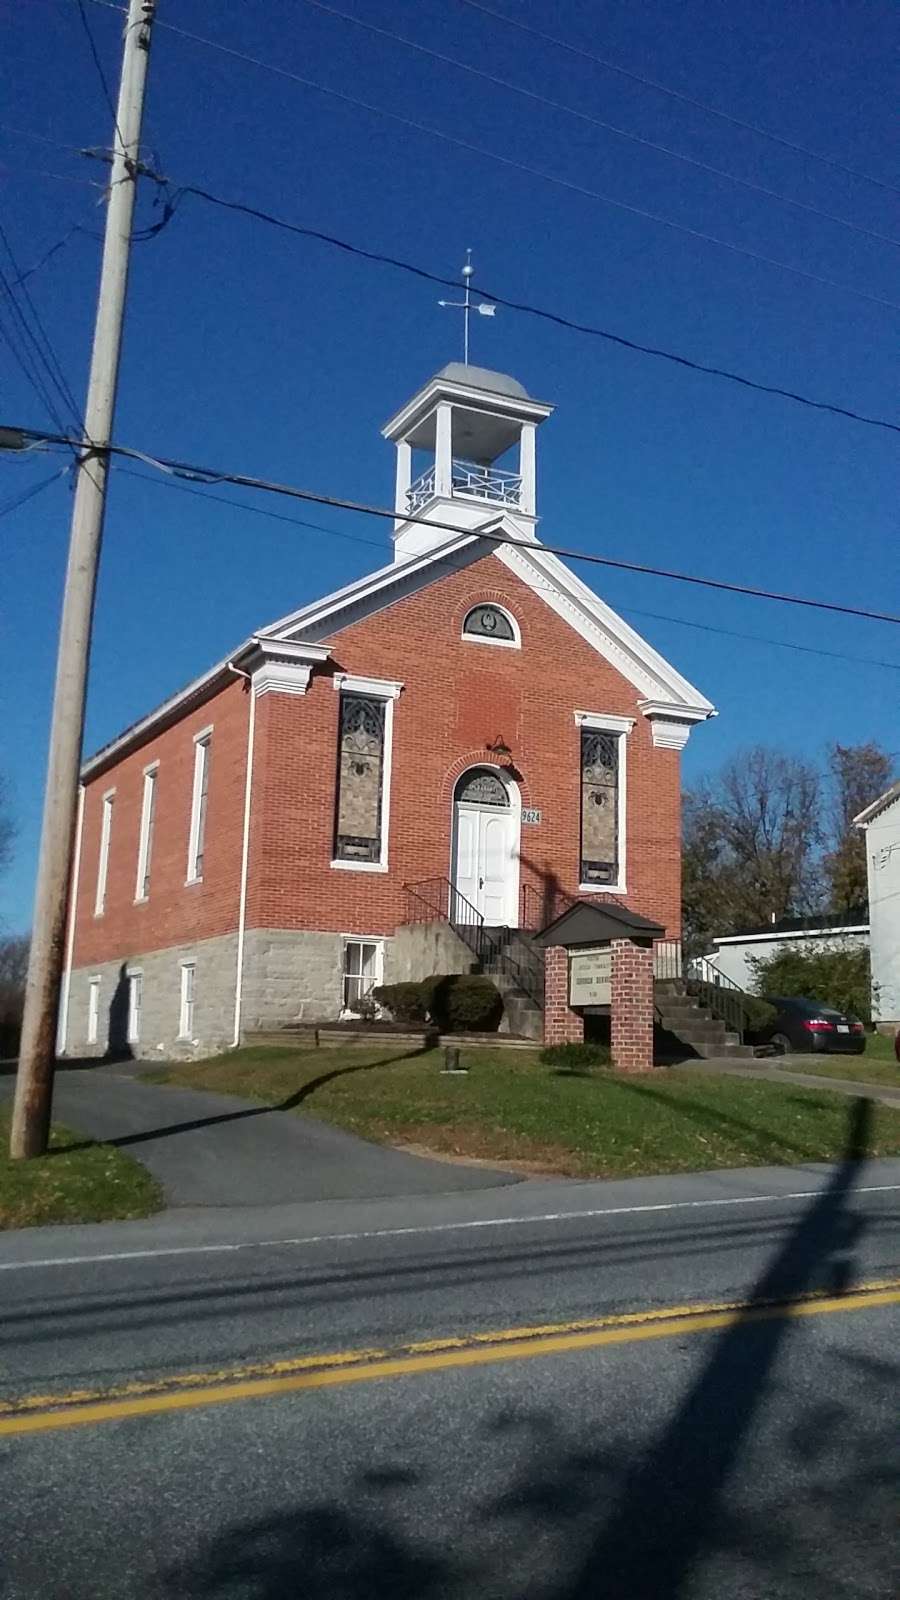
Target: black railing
523,963
721,995
667,963
439,900
542,905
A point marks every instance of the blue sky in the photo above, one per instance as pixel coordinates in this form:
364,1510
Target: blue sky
268,354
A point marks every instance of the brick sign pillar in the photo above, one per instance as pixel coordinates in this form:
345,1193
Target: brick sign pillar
631,1006
562,1025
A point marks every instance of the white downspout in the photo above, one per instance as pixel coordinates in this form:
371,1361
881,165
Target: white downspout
62,1030
245,851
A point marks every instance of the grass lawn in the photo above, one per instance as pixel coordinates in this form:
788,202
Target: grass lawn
89,1183
877,1065
511,1108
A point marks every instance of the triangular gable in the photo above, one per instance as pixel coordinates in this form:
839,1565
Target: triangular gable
665,691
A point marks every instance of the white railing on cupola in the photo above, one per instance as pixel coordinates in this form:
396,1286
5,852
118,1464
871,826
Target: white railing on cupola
472,482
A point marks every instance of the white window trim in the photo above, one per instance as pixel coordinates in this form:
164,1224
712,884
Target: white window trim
106,816
515,643
133,1035
93,1016
377,689
362,938
200,739
607,723
147,796
186,1034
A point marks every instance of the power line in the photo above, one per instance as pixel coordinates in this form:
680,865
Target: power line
597,122
99,66
29,494
213,475
29,368
532,172
381,259
380,544
52,361
676,94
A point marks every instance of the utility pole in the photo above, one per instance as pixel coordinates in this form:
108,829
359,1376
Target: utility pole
34,1083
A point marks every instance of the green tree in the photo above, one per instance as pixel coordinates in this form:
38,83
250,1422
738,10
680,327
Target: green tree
859,774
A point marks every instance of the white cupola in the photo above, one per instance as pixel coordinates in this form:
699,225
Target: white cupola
465,453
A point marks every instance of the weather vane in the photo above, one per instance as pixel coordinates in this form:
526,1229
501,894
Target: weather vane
468,305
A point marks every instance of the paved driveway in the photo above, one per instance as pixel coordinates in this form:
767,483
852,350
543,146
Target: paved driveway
217,1150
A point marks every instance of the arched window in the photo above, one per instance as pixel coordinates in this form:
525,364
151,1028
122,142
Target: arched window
490,624
482,787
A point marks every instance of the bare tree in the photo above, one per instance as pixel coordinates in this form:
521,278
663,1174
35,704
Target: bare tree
859,774
752,841
13,969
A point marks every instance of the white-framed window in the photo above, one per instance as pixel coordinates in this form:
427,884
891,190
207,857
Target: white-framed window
186,1016
363,969
362,799
93,1017
197,837
135,1004
492,624
603,748
145,837
106,816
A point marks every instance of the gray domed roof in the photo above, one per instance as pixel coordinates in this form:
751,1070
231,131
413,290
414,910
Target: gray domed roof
483,378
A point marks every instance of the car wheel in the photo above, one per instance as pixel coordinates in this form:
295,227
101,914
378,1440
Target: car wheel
781,1044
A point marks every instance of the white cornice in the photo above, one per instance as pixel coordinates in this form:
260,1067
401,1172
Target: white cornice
605,721
378,688
439,388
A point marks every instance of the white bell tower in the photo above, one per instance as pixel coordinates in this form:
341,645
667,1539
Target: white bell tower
465,454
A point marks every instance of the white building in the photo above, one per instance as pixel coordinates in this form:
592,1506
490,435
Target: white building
881,821
732,954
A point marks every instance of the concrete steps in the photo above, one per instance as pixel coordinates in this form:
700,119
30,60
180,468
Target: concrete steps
695,1026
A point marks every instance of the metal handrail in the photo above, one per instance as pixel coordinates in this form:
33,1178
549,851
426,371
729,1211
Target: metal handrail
444,903
667,960
720,994
542,906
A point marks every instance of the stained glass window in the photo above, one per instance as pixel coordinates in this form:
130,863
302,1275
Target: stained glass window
482,788
599,806
489,622
360,775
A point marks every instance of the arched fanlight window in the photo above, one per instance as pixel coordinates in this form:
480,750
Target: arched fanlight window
491,623
482,787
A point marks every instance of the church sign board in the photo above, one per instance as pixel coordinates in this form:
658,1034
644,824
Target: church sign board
590,977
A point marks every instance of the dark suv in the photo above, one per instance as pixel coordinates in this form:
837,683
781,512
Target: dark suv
806,1026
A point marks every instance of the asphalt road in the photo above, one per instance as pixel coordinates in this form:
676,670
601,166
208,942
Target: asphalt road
750,1454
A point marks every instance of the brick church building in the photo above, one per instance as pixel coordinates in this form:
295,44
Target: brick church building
397,778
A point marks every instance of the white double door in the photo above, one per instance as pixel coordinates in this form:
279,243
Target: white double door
485,863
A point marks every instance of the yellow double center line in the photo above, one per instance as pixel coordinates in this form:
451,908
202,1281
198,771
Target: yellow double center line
43,1413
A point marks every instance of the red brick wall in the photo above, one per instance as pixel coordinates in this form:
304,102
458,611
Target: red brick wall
562,1025
631,1007
457,697
174,912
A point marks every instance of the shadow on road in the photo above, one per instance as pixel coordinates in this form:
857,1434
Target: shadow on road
291,1101
626,1518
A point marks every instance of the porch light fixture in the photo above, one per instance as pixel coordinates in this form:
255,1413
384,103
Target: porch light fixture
499,746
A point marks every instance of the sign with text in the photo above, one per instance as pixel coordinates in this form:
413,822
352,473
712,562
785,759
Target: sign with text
530,814
590,977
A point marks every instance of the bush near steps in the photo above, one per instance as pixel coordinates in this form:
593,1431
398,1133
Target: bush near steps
454,1002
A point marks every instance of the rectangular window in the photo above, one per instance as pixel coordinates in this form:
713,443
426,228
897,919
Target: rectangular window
93,1022
135,1005
197,840
360,785
145,838
363,960
186,1019
600,785
103,861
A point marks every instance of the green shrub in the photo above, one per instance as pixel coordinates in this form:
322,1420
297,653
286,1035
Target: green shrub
464,1002
758,1014
456,1002
577,1058
404,1001
833,976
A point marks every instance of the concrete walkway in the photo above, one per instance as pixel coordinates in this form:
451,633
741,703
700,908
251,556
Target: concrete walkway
218,1150
764,1068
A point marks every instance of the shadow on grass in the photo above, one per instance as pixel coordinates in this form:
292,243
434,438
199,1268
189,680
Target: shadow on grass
719,1120
290,1103
581,1512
